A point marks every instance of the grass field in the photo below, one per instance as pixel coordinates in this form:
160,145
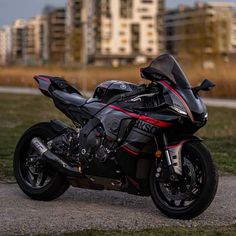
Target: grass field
223,76
18,112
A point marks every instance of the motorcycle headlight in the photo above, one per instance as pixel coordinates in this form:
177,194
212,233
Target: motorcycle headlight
178,110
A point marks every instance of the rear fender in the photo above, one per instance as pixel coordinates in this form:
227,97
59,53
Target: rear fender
175,151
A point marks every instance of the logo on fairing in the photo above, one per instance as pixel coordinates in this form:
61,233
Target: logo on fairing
123,86
146,127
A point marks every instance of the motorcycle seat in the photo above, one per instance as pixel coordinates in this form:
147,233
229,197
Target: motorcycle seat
69,98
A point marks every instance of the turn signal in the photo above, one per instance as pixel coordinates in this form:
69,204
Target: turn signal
158,154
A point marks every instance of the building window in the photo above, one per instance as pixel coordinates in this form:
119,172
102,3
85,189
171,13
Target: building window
126,8
122,49
122,33
147,1
143,10
147,17
135,40
106,8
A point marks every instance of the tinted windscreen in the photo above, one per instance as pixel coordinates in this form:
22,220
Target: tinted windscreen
167,66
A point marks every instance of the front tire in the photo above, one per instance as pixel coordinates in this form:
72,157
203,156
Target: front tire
38,181
190,198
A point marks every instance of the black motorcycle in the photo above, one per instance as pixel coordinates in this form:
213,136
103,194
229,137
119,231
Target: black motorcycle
130,138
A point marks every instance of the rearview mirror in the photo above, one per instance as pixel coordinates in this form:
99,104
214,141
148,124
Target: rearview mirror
206,85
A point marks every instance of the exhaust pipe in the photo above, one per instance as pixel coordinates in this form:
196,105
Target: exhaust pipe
54,160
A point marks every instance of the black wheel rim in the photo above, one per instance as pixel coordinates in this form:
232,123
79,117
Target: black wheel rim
184,193
36,173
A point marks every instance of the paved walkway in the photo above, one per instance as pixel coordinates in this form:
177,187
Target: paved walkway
18,90
209,101
214,102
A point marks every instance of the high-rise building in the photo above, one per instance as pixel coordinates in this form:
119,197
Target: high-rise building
128,30
80,24
18,40
204,29
89,26
74,34
233,33
5,45
55,33
113,31
35,40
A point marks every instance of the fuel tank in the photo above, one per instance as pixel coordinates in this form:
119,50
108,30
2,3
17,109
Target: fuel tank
109,89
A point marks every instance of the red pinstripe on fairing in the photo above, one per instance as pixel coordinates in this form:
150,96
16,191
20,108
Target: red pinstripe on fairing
181,99
143,118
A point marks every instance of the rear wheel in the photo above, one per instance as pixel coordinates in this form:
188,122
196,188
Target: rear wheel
194,191
36,178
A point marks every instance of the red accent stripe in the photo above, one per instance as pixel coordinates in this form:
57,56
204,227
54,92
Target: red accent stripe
181,143
181,99
43,78
130,151
144,118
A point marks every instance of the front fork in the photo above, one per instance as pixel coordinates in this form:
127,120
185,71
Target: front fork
173,156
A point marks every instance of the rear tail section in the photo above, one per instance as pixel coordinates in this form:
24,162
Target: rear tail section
44,84
47,84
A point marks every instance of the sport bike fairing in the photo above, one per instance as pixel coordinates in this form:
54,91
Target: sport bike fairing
166,70
131,121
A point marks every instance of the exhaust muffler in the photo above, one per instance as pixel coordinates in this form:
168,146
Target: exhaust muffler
61,165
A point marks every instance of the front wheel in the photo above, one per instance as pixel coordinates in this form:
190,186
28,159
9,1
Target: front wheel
194,191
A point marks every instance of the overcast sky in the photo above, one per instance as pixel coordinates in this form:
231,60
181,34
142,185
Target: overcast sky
14,9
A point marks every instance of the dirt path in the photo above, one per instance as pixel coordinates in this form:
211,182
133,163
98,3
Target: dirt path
81,209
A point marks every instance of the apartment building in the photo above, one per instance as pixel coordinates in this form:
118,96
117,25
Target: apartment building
128,30
80,31
18,40
204,29
113,31
74,31
5,45
233,33
88,31
35,40
55,34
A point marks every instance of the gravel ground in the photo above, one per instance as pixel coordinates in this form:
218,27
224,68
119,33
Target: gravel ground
81,209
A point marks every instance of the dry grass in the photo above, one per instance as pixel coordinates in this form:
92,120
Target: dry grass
22,76
224,76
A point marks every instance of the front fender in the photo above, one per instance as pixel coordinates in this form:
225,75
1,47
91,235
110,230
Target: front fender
175,151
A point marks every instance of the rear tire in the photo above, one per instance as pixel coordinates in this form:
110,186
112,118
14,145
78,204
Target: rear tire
207,189
57,184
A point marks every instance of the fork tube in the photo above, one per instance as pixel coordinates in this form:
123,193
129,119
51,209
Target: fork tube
167,154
